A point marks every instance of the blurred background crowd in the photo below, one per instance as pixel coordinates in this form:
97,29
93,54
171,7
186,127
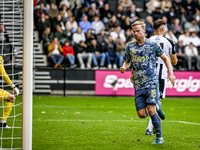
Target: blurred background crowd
88,34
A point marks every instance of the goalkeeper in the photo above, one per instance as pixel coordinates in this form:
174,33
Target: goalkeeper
6,96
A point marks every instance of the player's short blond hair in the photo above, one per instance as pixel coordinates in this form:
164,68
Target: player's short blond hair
139,23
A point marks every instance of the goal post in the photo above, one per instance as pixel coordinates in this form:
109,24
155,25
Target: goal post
27,84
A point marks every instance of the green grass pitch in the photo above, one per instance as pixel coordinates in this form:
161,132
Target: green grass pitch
106,123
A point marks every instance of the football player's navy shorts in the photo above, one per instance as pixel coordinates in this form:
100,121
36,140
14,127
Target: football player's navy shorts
146,97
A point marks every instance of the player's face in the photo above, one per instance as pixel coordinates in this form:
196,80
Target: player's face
139,32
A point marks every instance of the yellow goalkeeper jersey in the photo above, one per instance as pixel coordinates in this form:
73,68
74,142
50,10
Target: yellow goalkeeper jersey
3,73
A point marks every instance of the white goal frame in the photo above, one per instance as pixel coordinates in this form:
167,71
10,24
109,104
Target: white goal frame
27,84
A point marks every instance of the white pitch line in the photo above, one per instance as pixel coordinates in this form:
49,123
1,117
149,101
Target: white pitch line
44,106
74,120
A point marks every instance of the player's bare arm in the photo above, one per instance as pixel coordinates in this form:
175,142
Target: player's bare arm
125,66
174,59
131,77
171,77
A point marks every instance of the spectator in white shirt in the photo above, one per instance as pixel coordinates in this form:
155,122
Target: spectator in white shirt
191,52
97,25
118,34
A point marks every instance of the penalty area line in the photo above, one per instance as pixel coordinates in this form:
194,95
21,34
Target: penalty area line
79,120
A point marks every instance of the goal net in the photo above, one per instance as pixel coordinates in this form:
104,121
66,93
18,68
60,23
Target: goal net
11,50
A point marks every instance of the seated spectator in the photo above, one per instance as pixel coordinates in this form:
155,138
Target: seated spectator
183,16
89,36
171,15
118,34
65,13
69,54
97,25
192,54
185,38
101,38
151,5
112,24
42,24
93,11
170,35
167,24
166,5
120,14
126,24
55,53
180,53
39,12
4,38
71,25
125,4
194,38
100,3
129,35
58,22
149,26
134,15
81,49
196,16
61,34
192,24
52,13
157,14
176,27
7,48
47,38
75,7
121,50
176,4
85,24
189,6
64,3
110,46
97,53
106,13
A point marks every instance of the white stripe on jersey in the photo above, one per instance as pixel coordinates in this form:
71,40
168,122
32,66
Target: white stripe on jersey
167,48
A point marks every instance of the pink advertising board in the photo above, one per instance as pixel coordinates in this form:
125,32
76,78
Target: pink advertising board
187,83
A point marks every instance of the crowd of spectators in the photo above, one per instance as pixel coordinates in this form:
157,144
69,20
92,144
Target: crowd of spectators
88,34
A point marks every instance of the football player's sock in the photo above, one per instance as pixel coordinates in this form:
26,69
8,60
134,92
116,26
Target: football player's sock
150,125
7,111
157,125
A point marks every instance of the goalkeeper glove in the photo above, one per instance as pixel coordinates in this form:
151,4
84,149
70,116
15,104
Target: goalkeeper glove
16,90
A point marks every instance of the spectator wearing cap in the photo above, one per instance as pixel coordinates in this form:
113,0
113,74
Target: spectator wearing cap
68,53
97,25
